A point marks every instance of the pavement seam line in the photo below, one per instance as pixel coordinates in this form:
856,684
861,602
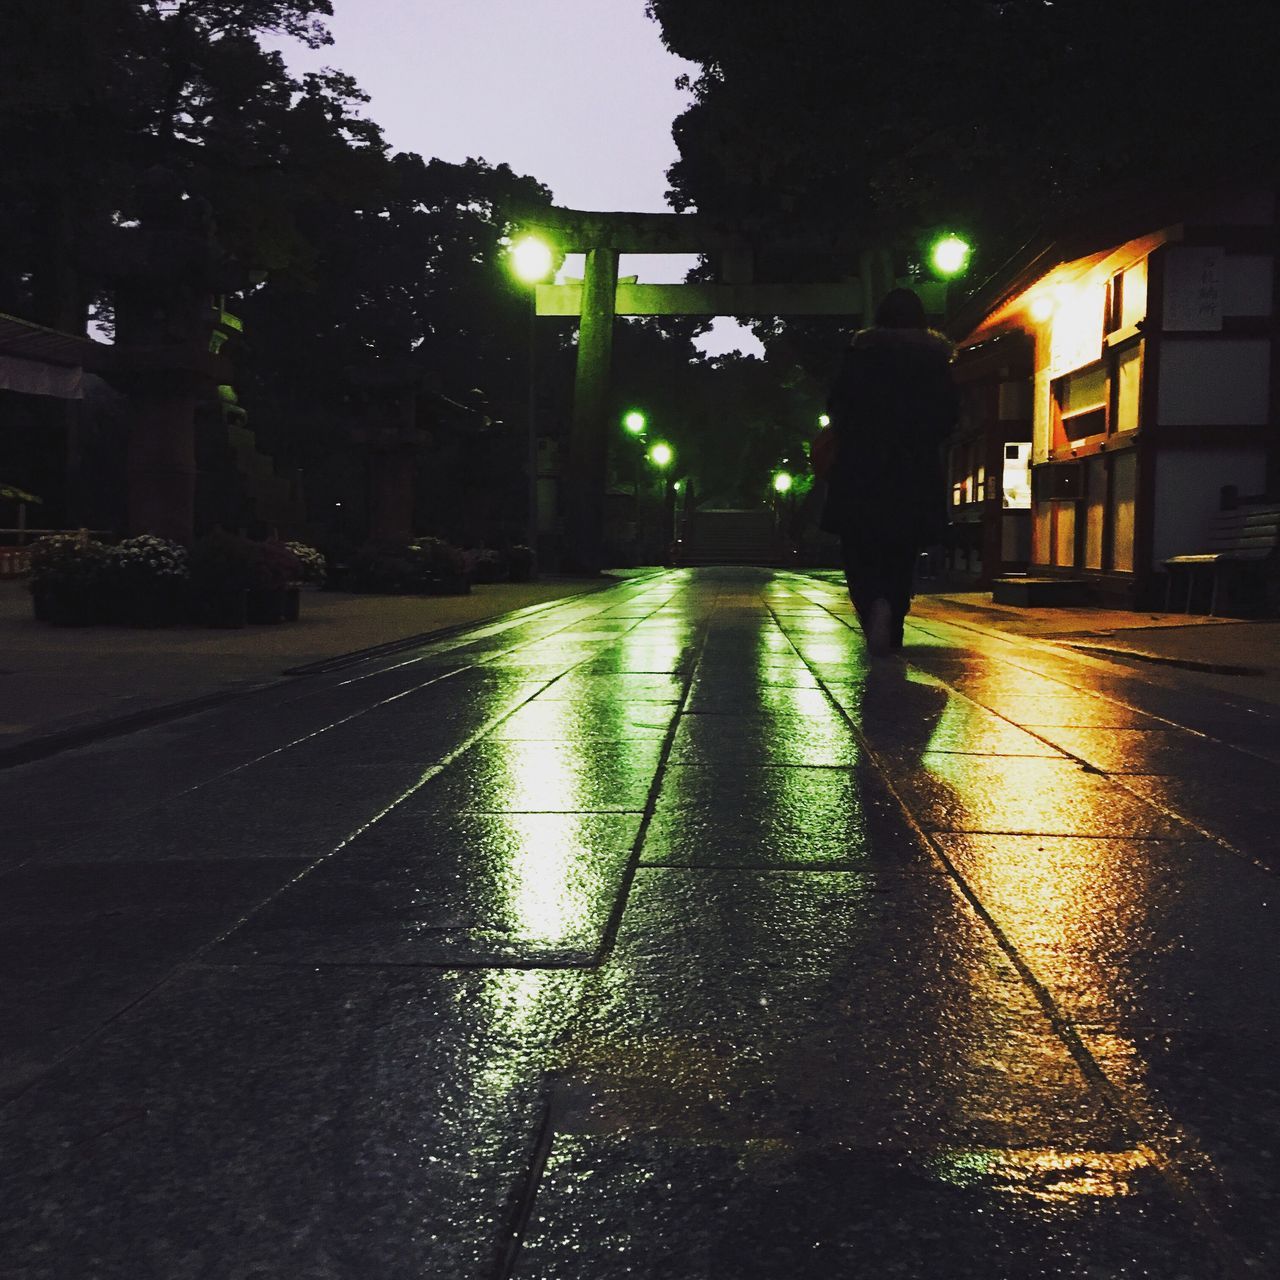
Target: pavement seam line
1033,731
227,773
513,617
1058,649
1163,660
1158,1149
614,923
41,748
510,1245
432,772
509,1251
195,959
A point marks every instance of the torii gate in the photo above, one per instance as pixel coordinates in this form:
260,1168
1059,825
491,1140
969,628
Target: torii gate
600,297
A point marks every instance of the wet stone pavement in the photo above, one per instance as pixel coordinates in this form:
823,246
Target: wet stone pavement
660,934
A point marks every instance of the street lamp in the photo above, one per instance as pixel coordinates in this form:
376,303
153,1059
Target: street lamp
662,455
782,482
824,419
949,255
532,261
635,422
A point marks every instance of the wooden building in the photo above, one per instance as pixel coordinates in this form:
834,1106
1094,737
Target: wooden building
1134,360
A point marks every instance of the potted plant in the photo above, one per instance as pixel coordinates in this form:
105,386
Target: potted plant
220,578
312,572
445,567
273,572
486,565
68,572
148,577
312,569
381,567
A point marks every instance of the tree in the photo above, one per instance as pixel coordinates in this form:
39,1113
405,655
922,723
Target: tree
413,278
92,96
993,115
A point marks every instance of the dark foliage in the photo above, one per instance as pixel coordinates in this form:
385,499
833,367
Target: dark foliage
896,119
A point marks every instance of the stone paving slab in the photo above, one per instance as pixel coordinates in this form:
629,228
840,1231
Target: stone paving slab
265,1123
921,967
528,889
78,942
808,1211
63,679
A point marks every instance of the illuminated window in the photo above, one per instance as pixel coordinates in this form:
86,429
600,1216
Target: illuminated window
1133,295
1124,483
1064,534
1127,297
1081,403
1095,511
1128,367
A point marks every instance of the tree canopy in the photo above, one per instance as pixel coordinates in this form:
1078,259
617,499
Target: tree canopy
124,122
987,115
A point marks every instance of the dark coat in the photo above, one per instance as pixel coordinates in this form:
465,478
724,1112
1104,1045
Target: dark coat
892,407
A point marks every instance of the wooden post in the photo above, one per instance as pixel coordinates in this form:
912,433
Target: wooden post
589,436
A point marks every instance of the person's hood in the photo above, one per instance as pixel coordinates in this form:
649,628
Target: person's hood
928,342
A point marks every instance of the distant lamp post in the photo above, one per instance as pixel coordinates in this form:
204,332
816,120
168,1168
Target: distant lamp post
824,419
949,255
782,482
532,261
634,422
662,455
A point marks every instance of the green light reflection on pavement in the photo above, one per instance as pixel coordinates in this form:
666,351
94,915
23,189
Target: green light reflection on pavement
1047,1175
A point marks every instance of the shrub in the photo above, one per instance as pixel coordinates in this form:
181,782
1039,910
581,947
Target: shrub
272,566
399,568
312,568
68,562
486,565
148,560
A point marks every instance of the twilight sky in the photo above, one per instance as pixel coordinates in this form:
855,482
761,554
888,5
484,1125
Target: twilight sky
578,93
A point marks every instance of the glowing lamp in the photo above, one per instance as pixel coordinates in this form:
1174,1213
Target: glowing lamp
824,419
1042,308
531,259
782,482
662,455
635,422
950,256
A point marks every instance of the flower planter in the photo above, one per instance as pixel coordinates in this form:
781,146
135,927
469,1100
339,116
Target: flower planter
148,607
225,609
265,606
69,609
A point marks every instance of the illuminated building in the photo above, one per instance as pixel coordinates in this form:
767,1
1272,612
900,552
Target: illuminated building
1133,360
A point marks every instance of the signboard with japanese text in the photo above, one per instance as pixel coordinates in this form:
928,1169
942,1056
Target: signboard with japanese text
1193,281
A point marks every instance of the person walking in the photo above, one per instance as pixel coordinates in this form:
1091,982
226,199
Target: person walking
891,408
